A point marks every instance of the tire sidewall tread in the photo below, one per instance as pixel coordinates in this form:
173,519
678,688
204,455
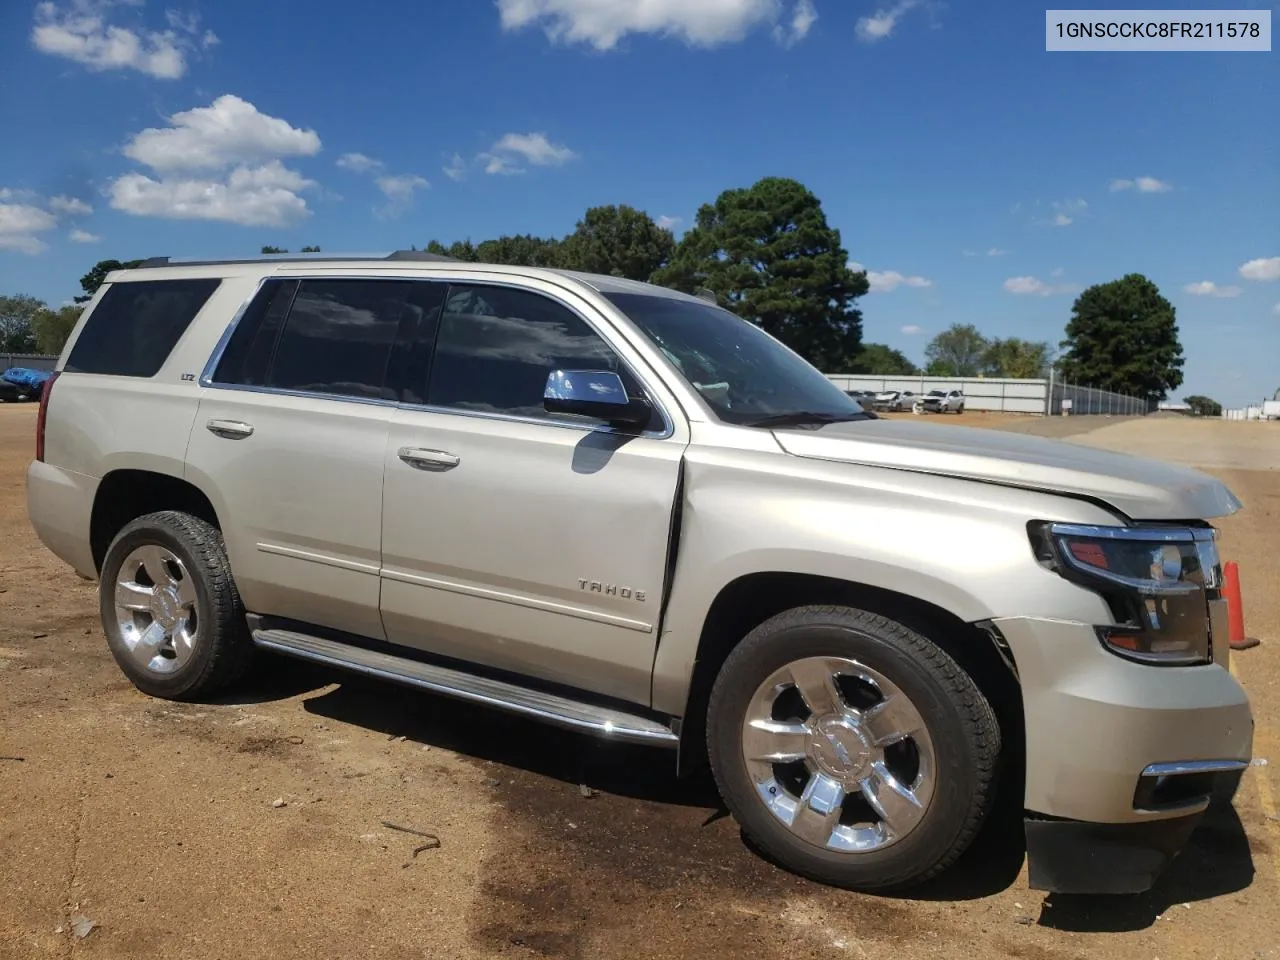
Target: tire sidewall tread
224,650
966,742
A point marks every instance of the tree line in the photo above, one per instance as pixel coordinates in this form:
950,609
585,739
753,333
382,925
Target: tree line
767,253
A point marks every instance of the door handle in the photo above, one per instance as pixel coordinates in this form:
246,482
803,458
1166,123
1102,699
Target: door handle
434,460
229,429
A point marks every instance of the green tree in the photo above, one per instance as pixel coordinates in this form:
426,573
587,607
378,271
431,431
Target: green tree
92,280
17,315
877,358
53,327
1017,359
958,351
1203,406
463,250
1123,336
768,253
617,240
310,249
266,251
522,250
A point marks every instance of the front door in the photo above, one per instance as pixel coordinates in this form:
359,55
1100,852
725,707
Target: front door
515,538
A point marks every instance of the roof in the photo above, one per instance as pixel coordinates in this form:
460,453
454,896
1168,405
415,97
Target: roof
601,283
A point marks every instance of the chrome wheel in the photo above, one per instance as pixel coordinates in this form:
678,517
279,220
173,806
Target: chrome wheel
839,754
155,604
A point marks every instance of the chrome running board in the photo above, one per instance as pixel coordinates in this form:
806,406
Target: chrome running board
548,707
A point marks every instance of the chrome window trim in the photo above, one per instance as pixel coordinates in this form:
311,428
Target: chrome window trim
206,376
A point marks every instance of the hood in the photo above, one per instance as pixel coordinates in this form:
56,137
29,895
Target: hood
1139,488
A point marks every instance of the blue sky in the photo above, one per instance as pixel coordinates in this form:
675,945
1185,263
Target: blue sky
980,179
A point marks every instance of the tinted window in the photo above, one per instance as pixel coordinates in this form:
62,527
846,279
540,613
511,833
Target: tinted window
134,327
497,345
339,336
741,372
411,366
247,357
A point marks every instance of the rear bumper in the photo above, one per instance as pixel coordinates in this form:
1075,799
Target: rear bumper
60,506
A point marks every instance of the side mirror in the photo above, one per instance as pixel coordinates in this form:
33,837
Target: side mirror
599,394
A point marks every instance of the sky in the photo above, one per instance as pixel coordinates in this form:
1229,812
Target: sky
978,178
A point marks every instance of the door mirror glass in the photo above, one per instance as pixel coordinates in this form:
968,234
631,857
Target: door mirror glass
599,394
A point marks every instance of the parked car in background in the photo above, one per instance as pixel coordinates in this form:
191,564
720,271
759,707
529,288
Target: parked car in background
893,400
940,401
22,383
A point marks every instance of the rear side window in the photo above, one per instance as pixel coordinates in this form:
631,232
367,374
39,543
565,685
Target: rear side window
338,338
134,327
247,357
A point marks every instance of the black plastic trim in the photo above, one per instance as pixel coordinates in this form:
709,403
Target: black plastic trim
1077,857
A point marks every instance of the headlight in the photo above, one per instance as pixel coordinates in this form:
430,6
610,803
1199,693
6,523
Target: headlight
1157,581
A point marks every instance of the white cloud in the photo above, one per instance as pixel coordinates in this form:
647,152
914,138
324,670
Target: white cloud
1207,288
220,162
399,191
265,196
887,280
19,224
911,329
1056,272
1264,269
358,163
797,28
602,23
71,206
229,130
882,23
80,32
1276,309
996,252
668,223
456,169
1033,287
513,149
1142,185
1062,220
83,236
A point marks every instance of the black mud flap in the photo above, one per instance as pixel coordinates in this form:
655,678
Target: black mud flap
1071,856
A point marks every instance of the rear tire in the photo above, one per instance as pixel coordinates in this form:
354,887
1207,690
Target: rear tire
873,770
170,608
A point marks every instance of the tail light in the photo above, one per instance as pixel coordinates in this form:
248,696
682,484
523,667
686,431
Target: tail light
43,413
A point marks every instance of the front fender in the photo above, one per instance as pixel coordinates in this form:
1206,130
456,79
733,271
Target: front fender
959,545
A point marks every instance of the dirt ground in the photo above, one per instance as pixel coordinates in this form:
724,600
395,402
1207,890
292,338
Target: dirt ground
256,827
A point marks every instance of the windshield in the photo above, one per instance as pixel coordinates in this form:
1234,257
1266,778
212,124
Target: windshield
742,373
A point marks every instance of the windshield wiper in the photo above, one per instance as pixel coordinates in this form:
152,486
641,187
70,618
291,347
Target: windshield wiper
801,418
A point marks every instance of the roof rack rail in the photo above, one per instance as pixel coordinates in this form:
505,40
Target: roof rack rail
397,255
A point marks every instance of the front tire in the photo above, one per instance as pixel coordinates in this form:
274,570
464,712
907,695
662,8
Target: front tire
170,608
851,749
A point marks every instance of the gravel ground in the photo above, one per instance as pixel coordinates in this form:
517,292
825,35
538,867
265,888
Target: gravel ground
255,827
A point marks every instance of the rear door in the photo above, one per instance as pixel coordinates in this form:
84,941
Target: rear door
290,436
515,538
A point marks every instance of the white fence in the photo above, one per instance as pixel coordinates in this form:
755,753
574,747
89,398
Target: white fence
32,361
1006,395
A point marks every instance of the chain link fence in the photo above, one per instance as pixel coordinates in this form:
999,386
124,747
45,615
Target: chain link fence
1002,395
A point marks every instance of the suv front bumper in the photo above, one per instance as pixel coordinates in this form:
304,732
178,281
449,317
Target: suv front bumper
1121,758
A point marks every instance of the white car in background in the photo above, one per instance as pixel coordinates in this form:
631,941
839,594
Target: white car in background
940,401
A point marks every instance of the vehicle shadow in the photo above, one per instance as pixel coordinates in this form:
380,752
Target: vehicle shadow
1217,860
635,772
